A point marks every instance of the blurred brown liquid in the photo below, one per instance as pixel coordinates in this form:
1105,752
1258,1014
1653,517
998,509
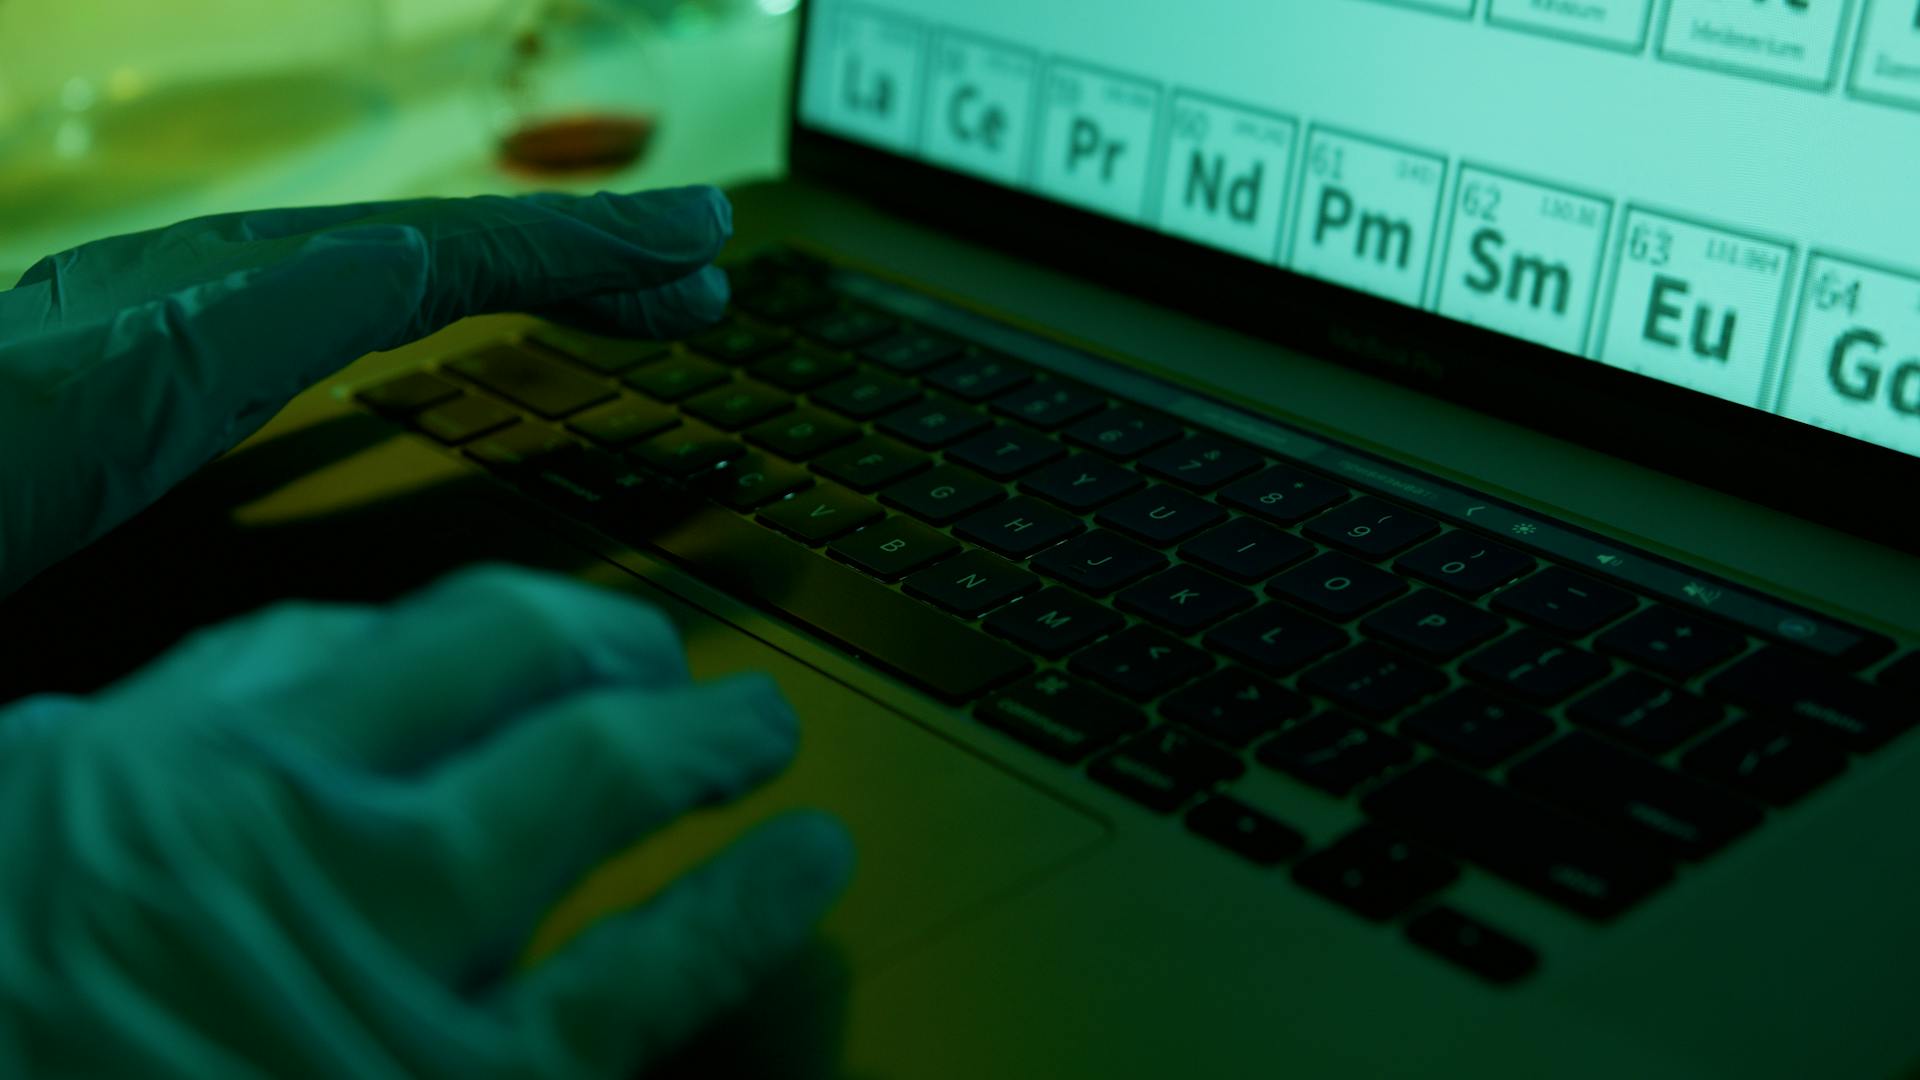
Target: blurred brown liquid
578,144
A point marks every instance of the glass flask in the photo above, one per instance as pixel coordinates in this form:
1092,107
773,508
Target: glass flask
571,87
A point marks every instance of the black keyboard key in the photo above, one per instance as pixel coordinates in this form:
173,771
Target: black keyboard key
891,633
1082,482
1464,563
1337,586
1375,874
1053,622
1141,663
1099,562
1050,404
1639,709
1671,641
1477,728
686,450
1433,624
774,267
1621,790
737,343
463,418
1334,753
1566,861
1201,463
1017,528
894,548
589,483
531,380
821,513
979,377
1902,676
1561,600
777,264
1769,760
1275,638
1234,706
1184,599
803,433
408,394
970,584
1061,717
871,463
754,481
1778,681
678,378
1371,528
1124,433
1473,945
1246,550
1160,515
1373,680
1535,667
628,420
510,448
738,405
600,355
799,370
1244,830
943,494
1165,768
1007,452
914,350
849,327
1284,495
933,423
785,299
867,394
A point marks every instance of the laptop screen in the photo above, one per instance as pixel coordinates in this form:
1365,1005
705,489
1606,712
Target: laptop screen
1720,194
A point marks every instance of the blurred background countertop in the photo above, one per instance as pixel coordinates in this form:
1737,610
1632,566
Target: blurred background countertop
119,115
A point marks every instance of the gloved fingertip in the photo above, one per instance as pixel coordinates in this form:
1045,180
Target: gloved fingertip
722,210
758,695
670,311
708,293
814,865
694,202
701,209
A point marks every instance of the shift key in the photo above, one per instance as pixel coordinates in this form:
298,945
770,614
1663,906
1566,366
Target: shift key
1563,860
1060,716
1620,789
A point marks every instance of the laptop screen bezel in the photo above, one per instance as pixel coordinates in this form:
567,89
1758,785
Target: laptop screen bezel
1832,479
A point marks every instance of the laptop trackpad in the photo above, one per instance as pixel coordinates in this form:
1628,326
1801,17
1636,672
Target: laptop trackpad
939,831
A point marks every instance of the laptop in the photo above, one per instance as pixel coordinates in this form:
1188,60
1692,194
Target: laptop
1347,539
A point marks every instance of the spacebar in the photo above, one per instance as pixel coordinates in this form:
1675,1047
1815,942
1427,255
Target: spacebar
894,632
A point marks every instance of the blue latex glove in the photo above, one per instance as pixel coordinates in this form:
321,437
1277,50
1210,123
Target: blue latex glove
128,363
306,842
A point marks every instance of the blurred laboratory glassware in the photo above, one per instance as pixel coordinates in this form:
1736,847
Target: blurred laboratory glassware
111,101
571,86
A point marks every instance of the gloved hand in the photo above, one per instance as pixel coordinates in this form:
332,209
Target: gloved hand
307,842
128,363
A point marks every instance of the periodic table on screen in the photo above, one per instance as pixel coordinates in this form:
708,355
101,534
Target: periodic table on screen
1611,265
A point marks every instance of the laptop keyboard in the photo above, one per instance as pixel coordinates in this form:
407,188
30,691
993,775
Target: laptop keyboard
1168,610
